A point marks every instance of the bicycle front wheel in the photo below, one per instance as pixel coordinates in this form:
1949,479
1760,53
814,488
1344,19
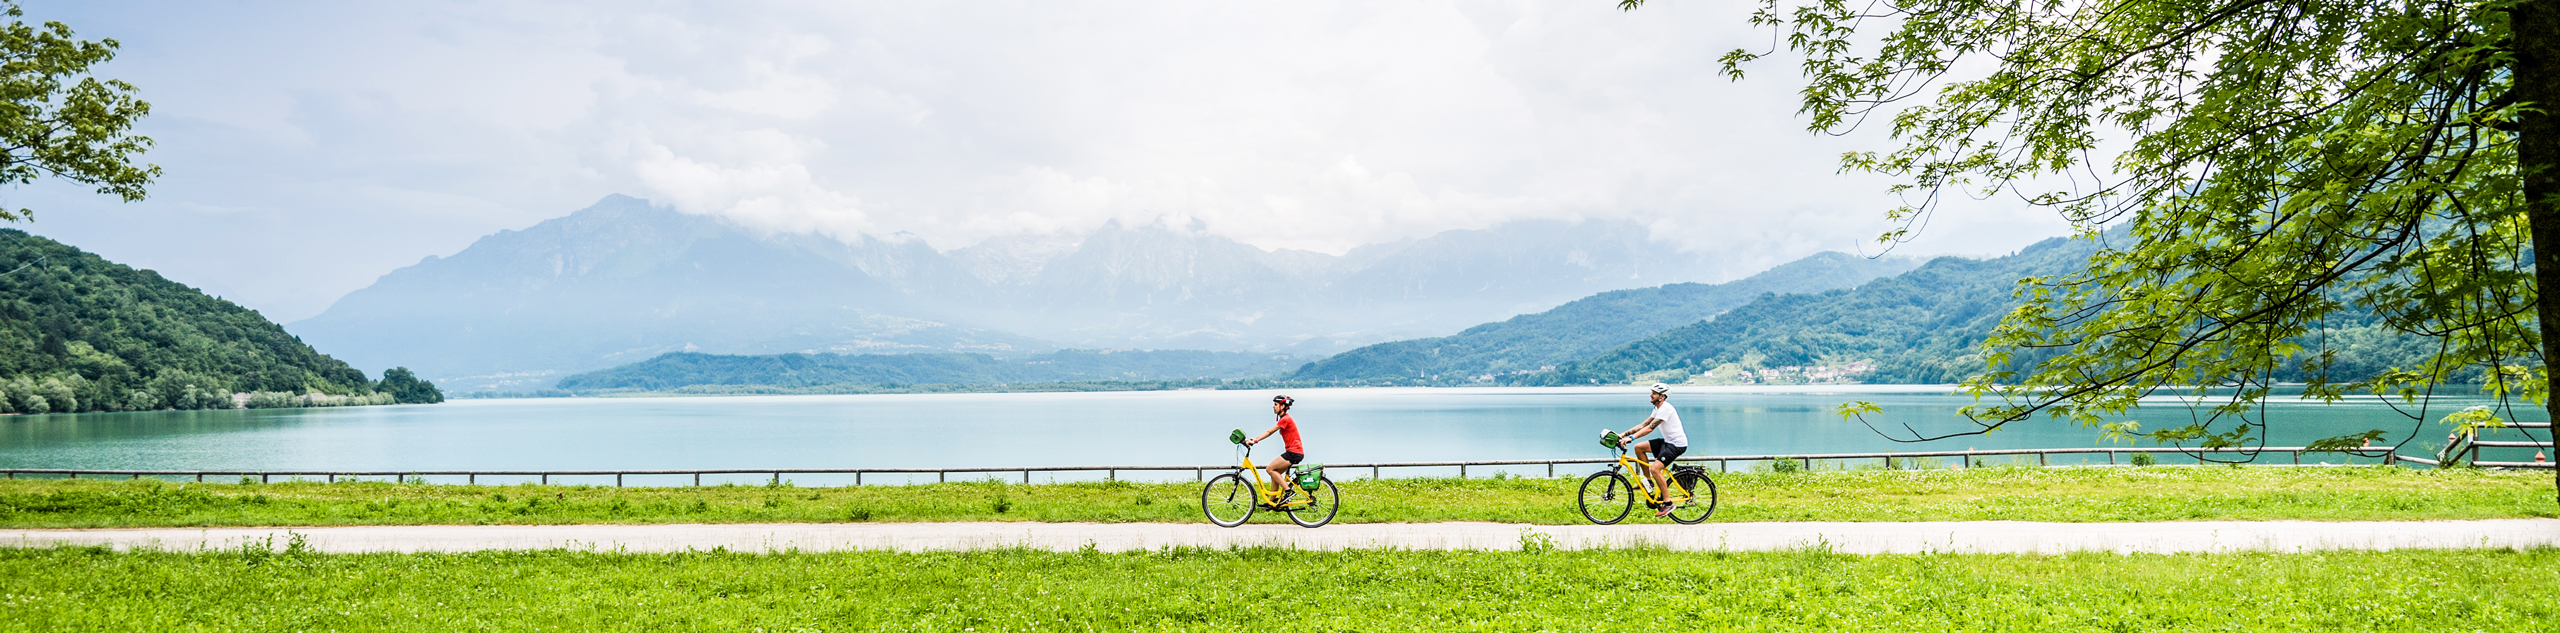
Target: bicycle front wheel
1326,500
1701,490
1606,497
1228,500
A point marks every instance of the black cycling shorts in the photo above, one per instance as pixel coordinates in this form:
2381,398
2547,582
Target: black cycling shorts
1293,458
1664,452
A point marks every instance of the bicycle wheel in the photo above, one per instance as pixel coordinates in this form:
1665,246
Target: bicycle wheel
1702,496
1606,497
1327,499
1228,500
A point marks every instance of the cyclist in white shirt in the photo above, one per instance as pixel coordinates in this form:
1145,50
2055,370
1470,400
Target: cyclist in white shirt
1658,453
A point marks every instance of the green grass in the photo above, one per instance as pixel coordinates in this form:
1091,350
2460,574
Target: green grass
76,589
2020,494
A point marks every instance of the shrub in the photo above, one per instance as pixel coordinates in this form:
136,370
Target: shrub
60,395
2144,459
141,400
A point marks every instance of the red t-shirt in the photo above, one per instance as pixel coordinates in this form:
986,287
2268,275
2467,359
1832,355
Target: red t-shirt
1289,434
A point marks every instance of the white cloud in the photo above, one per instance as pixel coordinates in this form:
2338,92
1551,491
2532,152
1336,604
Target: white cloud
389,132
771,191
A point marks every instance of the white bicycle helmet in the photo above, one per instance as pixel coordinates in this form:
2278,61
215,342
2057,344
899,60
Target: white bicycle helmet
1661,388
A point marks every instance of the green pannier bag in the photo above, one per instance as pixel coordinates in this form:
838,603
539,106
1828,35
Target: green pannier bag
1311,477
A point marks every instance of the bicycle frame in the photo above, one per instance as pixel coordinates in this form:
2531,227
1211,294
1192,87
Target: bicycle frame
1271,496
1643,481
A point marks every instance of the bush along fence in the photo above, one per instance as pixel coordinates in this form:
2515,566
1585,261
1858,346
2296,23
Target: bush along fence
2040,457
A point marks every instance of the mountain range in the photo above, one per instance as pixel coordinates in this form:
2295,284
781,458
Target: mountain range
687,369
1920,327
624,280
1533,343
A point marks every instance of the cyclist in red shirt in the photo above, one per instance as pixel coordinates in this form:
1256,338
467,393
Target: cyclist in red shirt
1291,452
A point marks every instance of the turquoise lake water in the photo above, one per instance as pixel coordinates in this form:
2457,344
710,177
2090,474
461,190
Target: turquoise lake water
1061,429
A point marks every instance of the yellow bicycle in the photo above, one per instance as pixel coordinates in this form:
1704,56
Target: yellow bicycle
1307,496
1608,495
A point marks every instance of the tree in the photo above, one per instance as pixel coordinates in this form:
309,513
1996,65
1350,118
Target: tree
58,120
406,388
2275,166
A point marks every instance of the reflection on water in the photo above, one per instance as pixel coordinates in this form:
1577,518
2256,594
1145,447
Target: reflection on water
1144,428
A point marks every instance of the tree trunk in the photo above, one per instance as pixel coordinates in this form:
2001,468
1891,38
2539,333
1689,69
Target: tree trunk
2536,33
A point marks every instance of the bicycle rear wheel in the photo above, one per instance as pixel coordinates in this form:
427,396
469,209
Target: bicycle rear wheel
1606,497
1228,500
1702,496
1326,499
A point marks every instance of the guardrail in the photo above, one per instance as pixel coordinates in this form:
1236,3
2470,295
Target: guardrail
1891,460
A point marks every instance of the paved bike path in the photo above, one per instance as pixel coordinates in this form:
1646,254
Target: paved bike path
1860,538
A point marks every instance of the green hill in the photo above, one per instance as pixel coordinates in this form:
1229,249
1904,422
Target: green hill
79,333
1535,342
1922,327
686,369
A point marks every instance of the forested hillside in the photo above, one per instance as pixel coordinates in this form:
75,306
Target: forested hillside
1923,327
79,333
686,369
1535,342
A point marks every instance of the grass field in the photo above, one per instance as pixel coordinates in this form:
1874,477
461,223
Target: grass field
75,589
2024,494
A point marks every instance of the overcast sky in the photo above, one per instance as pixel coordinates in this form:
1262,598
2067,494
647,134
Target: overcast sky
312,147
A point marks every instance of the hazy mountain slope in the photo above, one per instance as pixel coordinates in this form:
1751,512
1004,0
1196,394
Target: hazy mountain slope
1918,327
619,282
1159,286
670,371
1532,342
1526,262
1153,286
66,313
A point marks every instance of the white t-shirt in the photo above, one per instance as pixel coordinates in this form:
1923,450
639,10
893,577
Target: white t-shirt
1670,427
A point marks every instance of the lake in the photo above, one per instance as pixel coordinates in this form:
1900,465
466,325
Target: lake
1060,429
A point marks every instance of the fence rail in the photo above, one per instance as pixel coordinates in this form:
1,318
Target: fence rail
1376,469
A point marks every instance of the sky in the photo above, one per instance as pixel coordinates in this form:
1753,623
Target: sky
310,147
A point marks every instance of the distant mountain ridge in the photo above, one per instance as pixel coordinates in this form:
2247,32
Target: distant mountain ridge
1921,327
624,281
1536,342
1925,326
684,369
